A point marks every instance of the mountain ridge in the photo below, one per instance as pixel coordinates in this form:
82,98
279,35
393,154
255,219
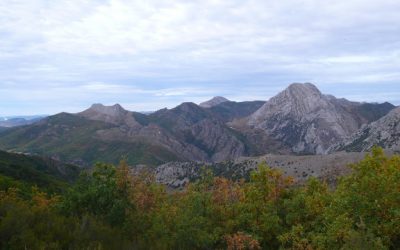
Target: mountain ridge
298,120
384,132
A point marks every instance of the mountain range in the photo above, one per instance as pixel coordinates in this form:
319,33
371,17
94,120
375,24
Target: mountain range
13,121
299,120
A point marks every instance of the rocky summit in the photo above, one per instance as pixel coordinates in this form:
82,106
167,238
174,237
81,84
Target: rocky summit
213,102
305,120
115,114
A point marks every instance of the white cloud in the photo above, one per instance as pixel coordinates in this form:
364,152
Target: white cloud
180,49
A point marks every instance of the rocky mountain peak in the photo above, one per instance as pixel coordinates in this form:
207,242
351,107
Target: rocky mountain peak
213,102
305,119
297,89
113,110
297,100
114,114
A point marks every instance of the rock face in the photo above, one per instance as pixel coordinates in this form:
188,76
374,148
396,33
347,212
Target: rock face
200,131
384,132
213,102
307,121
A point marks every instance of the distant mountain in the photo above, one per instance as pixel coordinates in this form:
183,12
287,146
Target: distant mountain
108,133
213,102
299,120
110,114
308,122
26,117
14,121
79,140
384,132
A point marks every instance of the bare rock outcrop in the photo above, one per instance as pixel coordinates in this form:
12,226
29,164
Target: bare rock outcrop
304,119
384,132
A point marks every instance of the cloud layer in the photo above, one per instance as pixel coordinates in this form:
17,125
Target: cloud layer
64,55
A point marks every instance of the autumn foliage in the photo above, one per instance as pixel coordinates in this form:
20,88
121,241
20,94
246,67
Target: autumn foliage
114,208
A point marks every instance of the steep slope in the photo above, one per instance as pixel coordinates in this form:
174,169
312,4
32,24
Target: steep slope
384,132
213,102
363,112
307,121
203,133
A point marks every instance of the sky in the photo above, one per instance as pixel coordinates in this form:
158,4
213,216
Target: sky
64,55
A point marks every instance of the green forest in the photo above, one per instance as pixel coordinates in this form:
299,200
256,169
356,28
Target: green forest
109,208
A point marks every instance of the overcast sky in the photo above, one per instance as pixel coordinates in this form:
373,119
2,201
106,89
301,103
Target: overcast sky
59,55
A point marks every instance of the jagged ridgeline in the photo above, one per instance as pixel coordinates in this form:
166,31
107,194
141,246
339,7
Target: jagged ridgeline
299,120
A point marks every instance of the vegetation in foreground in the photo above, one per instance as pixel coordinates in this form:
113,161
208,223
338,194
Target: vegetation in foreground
110,209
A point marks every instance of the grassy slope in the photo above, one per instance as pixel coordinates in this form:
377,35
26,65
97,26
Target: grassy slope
72,138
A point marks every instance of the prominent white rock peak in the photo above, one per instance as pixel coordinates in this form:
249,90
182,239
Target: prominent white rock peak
296,100
114,114
114,110
384,132
304,119
213,102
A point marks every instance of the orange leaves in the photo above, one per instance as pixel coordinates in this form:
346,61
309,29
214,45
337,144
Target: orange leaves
241,241
41,201
226,191
145,194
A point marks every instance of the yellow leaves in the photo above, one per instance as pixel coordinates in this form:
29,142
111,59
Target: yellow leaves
10,194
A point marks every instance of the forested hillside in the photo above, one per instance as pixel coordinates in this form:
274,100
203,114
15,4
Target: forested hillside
110,209
27,170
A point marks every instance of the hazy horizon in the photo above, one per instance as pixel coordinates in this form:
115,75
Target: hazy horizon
62,56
